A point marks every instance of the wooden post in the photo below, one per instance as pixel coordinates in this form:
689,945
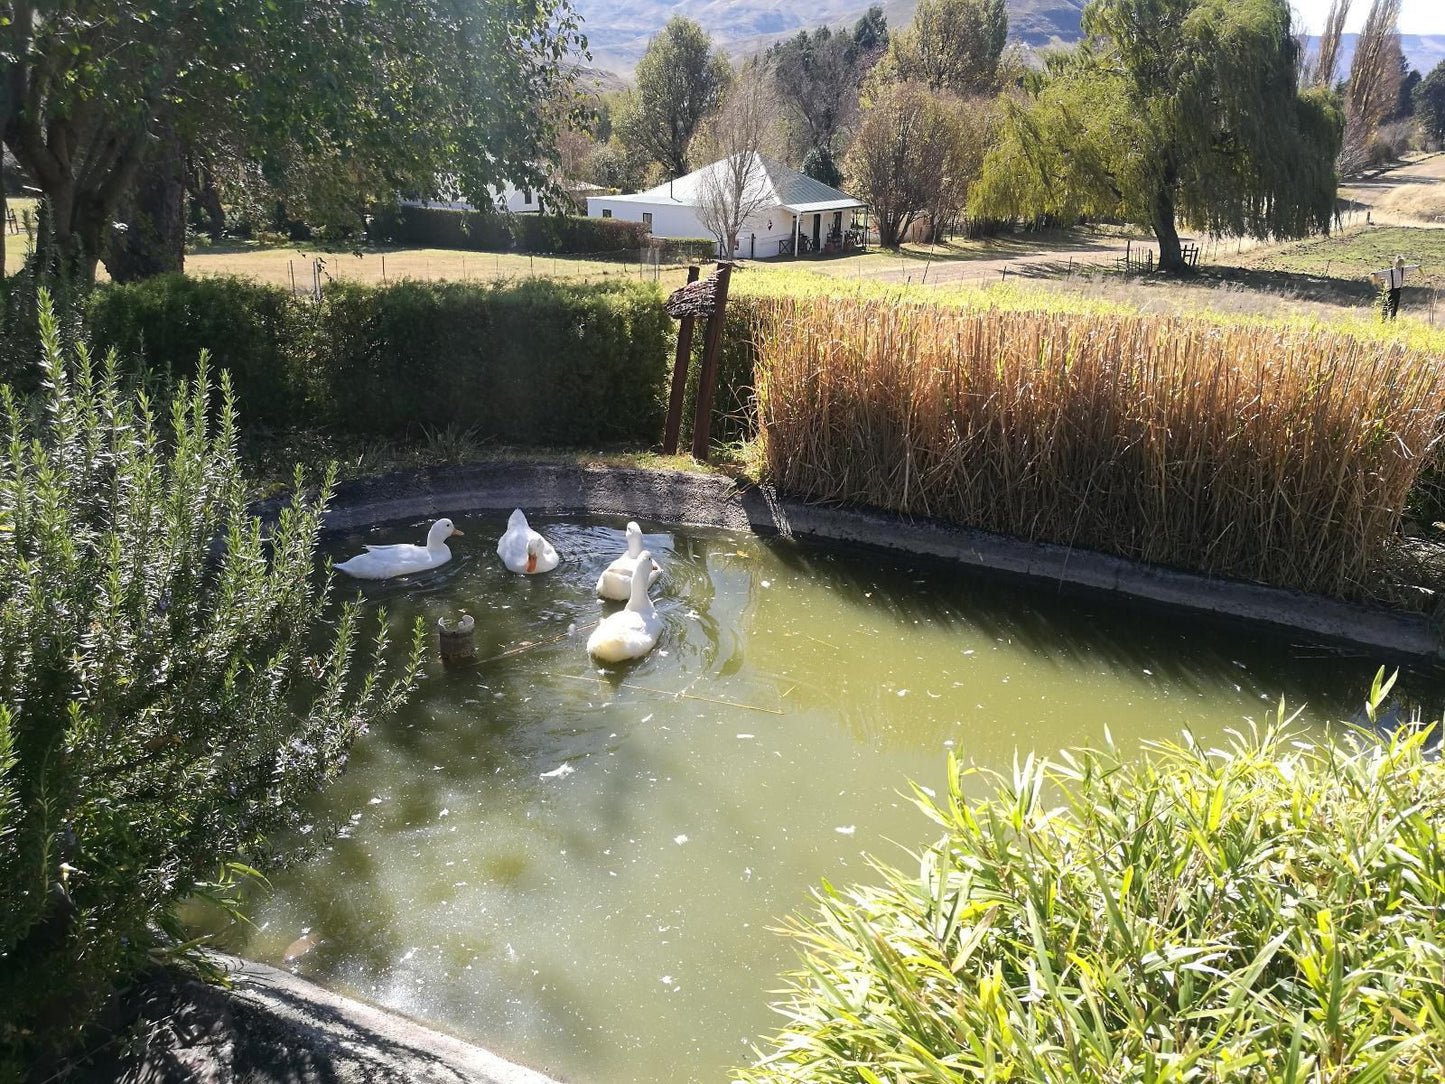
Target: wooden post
679,378
456,640
707,377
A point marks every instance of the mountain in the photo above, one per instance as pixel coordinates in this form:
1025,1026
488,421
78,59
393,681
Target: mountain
619,30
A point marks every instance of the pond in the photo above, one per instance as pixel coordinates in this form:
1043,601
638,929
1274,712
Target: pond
579,869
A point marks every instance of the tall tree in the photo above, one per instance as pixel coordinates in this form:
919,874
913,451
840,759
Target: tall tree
870,32
1327,60
1373,92
903,155
385,93
1430,102
679,81
817,82
952,45
734,187
1176,109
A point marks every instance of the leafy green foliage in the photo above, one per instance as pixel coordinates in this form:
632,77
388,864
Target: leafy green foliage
440,227
822,166
252,331
1185,109
1430,102
530,362
331,105
537,362
1267,912
174,682
679,81
951,45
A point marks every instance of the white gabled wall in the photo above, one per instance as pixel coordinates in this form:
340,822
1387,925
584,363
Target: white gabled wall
672,220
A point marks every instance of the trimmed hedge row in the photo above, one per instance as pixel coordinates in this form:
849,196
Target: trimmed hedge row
532,362
441,227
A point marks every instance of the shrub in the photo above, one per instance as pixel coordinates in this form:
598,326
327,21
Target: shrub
175,683
1271,454
253,331
1271,912
577,234
533,362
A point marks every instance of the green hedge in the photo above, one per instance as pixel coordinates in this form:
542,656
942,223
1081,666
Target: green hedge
538,362
531,362
258,332
440,227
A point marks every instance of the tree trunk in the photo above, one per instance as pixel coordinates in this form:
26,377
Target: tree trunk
201,184
4,226
1166,230
154,239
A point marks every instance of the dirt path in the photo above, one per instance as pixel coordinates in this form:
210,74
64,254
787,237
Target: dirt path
1411,195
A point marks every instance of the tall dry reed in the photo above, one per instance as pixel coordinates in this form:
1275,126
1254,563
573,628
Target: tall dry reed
1268,454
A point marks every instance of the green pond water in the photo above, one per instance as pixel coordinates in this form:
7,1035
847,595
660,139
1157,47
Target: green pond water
579,869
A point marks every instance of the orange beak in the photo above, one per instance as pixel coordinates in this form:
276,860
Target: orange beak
455,531
531,562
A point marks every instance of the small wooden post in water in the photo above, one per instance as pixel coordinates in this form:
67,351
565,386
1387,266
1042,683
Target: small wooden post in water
456,640
679,378
712,342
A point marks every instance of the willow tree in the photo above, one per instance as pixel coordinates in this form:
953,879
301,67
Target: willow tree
1172,110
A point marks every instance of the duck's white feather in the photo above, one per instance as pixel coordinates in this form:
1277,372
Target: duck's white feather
616,580
520,543
404,559
632,631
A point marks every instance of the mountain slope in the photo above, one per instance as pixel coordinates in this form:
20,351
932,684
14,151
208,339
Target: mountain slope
619,30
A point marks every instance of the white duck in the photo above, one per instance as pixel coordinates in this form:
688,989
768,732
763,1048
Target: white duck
384,562
616,581
523,549
632,631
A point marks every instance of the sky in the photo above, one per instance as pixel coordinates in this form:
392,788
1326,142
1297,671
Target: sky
1416,16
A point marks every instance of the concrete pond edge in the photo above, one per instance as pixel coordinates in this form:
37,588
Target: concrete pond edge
710,500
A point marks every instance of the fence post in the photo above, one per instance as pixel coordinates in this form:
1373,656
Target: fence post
707,377
679,378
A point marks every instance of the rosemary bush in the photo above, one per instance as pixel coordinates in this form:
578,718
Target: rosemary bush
1270,912
173,683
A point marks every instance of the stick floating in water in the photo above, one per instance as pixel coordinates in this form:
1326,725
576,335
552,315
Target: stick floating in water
676,694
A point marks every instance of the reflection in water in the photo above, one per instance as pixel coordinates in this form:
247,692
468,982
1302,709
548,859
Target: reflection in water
578,868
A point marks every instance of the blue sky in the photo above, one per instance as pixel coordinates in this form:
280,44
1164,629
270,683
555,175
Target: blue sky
1416,16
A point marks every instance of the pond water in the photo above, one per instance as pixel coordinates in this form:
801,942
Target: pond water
579,869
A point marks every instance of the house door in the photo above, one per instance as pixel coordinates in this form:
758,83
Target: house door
837,230
817,232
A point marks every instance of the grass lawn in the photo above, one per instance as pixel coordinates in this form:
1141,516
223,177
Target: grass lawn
280,264
1354,253
17,244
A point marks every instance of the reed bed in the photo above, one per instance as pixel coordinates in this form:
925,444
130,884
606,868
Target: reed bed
1276,454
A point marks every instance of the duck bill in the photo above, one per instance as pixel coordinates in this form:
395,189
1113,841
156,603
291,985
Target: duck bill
531,562
456,531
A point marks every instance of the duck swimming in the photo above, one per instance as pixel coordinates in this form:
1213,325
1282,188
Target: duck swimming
523,550
632,631
616,581
384,562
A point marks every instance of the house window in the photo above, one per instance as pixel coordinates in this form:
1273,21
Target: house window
647,219
606,212
527,196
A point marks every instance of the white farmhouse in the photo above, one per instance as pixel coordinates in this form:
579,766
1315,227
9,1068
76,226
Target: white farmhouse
797,213
509,198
